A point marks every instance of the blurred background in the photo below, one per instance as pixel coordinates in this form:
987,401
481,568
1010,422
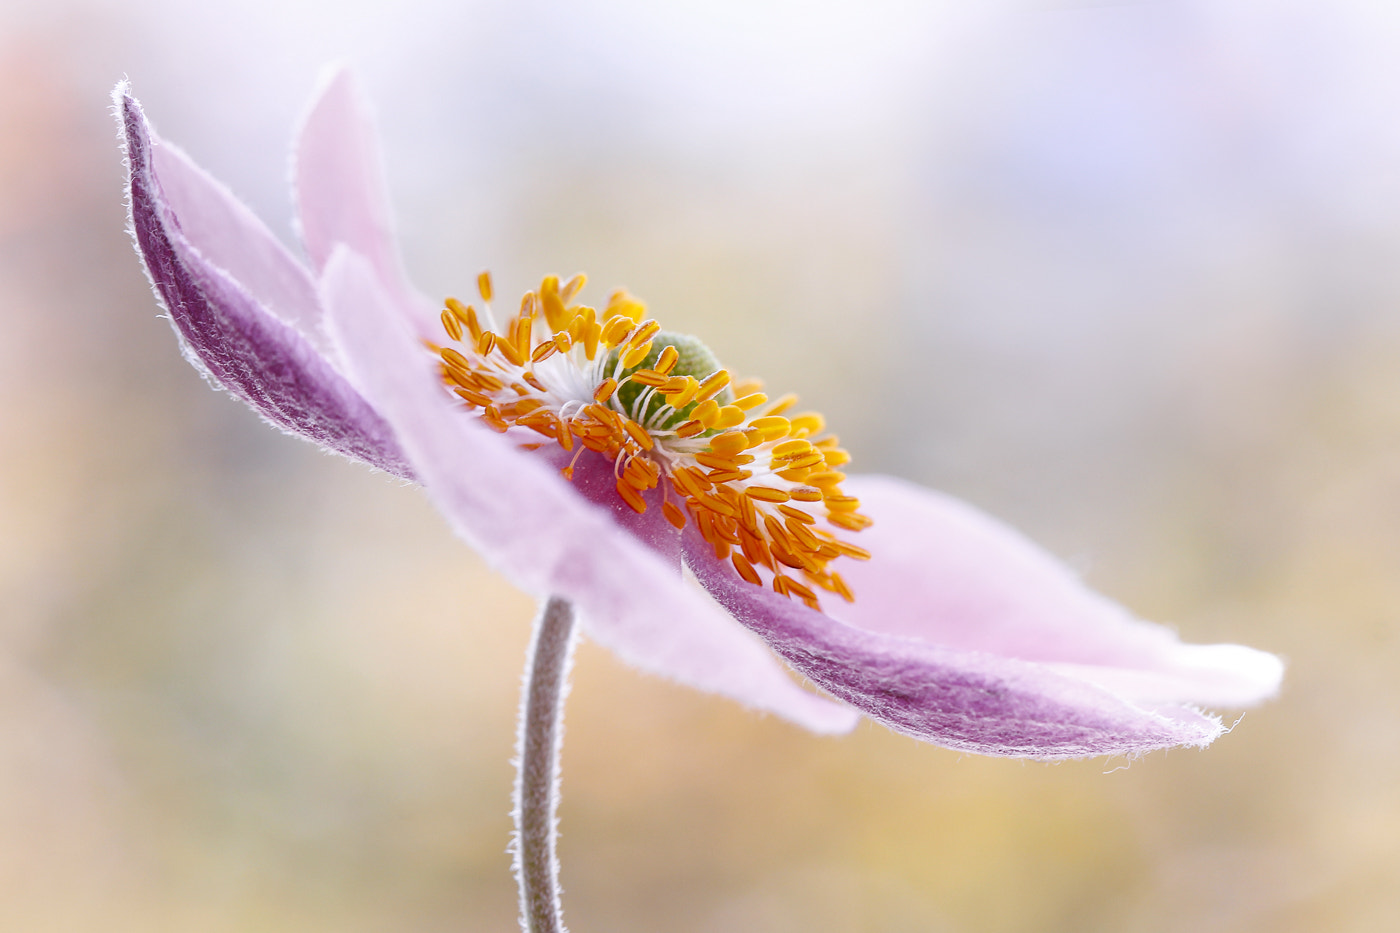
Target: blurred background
1123,274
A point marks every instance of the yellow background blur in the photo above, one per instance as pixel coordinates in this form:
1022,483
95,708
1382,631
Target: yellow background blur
1122,274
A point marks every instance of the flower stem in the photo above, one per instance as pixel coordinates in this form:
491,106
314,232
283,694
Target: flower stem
538,741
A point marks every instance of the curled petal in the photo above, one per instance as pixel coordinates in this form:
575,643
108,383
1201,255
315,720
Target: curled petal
965,700
227,334
539,531
945,573
231,237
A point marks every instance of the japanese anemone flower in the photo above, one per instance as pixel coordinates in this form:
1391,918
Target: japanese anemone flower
589,455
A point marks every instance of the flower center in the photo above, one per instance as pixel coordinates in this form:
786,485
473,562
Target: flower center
758,484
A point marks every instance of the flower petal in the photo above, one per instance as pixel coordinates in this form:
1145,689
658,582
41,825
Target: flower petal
228,335
342,197
538,530
964,700
943,572
231,236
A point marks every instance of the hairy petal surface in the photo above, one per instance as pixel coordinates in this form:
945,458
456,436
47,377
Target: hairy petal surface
232,338
945,573
231,237
534,527
965,700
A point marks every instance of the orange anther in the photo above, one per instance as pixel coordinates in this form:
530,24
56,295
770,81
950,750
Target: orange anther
638,434
791,450
615,330
842,503
667,361
456,359
782,404
451,324
635,355
798,514
712,386
728,444
728,417
605,390
745,569
749,402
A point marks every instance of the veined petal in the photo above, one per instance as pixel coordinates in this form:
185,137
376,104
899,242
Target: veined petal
231,237
342,197
965,700
237,342
533,526
945,573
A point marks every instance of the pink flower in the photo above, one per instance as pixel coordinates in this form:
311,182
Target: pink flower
962,632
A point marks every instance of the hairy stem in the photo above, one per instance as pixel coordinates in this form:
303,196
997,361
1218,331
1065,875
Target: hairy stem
537,780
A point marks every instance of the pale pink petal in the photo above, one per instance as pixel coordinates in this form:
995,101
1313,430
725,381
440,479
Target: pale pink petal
231,237
946,573
965,700
228,335
342,197
537,529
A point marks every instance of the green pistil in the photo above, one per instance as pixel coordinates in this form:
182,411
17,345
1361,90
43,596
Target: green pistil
695,359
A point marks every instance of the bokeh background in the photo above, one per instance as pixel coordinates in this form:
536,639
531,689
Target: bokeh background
1121,273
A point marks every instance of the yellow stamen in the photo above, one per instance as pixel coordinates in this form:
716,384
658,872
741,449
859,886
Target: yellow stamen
771,427
729,443
782,404
749,402
712,386
745,569
635,355
842,503
667,360
791,450
615,330
631,496
553,303
754,481
638,434
605,390
684,395
451,324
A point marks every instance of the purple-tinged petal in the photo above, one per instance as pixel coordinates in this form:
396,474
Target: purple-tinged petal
231,237
965,700
537,529
945,573
342,197
229,336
